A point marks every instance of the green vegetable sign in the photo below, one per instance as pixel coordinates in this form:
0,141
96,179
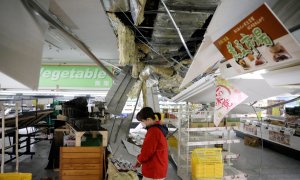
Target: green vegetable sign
75,77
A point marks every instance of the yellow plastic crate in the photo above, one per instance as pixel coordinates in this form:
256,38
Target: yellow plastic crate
16,176
206,163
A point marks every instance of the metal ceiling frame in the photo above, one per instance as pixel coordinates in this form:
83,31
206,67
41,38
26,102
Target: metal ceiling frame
178,30
148,44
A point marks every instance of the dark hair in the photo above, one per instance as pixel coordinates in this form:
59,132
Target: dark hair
138,116
146,112
158,116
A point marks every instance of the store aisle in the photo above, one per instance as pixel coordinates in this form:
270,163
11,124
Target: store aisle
274,166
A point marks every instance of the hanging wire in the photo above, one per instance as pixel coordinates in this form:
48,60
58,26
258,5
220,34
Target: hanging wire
148,44
178,30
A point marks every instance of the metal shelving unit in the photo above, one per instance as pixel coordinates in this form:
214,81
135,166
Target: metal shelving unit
191,136
262,129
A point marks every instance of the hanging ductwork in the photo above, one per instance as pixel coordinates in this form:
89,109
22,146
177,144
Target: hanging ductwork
171,83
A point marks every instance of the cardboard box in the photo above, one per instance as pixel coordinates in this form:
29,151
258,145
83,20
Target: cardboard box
251,141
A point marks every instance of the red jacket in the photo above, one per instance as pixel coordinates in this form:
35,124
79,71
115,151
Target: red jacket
154,154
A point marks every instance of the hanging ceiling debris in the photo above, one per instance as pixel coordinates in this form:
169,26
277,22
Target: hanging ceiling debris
157,42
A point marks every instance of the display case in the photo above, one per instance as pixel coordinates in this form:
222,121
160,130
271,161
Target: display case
196,130
278,133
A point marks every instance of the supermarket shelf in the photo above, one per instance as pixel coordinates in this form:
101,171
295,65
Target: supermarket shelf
213,141
192,136
207,129
196,139
294,141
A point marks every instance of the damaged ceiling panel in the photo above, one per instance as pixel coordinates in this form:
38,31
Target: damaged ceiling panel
158,33
116,5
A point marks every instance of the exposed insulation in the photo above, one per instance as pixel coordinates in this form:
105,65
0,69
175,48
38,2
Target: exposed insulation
127,49
163,71
126,46
171,82
133,93
137,68
183,62
142,50
163,38
143,47
176,90
151,82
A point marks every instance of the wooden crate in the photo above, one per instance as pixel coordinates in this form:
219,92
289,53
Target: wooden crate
77,163
79,134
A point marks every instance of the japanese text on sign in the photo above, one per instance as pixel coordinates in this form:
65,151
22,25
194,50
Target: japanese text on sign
222,100
256,39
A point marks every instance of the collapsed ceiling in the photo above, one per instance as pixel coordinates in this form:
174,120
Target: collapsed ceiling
148,36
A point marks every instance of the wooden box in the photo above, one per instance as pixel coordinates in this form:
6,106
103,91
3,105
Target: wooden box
78,163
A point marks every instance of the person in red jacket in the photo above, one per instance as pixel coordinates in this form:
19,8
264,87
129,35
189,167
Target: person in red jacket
154,154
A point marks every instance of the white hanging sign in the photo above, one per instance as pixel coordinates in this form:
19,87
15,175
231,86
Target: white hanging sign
227,97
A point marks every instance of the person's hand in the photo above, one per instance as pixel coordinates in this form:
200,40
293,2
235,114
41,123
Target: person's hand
137,165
